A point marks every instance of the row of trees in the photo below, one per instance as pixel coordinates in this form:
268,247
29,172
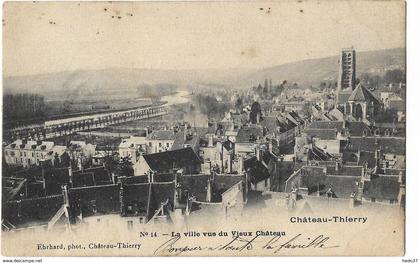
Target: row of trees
208,104
391,76
23,106
268,91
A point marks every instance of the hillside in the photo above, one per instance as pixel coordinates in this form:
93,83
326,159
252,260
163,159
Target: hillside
125,83
313,71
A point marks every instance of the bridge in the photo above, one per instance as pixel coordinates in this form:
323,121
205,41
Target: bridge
60,127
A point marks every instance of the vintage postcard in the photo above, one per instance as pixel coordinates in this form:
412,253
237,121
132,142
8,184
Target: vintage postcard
234,128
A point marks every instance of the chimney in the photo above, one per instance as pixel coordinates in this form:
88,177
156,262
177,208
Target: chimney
270,146
211,140
65,193
378,157
258,153
401,193
240,164
122,199
177,192
151,176
208,196
292,199
70,175
229,163
337,166
366,175
114,178
400,177
352,200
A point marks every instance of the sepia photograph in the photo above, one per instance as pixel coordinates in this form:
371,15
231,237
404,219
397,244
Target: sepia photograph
253,128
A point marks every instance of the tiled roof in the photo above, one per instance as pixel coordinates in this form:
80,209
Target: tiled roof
181,140
31,212
345,170
31,145
316,153
179,158
103,199
360,93
256,170
83,179
249,134
100,175
382,187
388,145
340,186
367,157
397,104
358,128
132,142
161,135
12,187
270,123
322,134
336,114
296,117
343,97
326,125
54,179
194,185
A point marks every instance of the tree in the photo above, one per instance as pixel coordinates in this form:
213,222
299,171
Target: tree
65,160
255,111
238,104
125,167
387,116
394,76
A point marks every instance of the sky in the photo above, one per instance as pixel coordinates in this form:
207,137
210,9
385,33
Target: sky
44,37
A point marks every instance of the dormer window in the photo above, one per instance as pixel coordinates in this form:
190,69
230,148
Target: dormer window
387,133
365,133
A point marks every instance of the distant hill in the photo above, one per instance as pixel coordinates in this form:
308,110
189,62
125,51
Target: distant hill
123,82
307,72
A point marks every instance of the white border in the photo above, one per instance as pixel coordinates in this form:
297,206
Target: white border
413,172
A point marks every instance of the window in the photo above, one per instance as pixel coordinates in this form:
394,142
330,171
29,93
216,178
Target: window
32,154
167,144
150,144
160,144
365,133
130,224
